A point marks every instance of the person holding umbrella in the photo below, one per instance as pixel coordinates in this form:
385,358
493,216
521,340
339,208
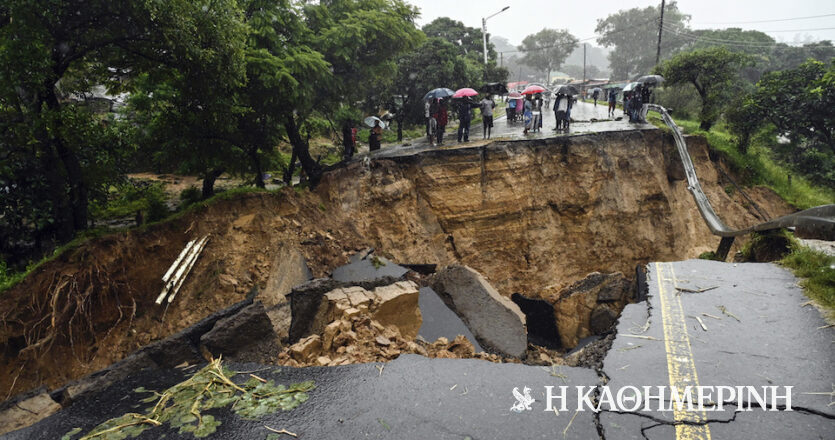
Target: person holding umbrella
464,106
613,100
374,136
646,92
561,103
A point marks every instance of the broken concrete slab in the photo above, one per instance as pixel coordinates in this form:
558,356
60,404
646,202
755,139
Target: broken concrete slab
398,305
238,332
305,300
395,304
289,269
439,321
496,321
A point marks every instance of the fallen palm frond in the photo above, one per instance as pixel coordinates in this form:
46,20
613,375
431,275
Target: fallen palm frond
182,405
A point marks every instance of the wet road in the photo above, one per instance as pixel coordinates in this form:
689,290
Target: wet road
756,330
587,119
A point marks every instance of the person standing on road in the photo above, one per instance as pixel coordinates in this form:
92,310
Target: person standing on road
465,105
613,100
646,92
427,107
347,140
511,110
528,115
635,104
487,105
442,118
537,111
595,95
374,136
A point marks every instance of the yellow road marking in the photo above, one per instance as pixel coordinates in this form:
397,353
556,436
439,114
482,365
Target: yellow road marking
680,365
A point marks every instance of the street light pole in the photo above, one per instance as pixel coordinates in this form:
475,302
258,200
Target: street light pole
484,30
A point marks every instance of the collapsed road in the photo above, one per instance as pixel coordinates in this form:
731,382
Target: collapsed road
463,199
775,342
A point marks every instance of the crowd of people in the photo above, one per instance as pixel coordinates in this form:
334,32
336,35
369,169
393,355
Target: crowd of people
527,108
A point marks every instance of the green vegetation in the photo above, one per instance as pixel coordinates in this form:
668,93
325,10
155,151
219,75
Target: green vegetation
756,166
182,406
818,272
127,199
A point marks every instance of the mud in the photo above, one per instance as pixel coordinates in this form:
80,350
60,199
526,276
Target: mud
529,215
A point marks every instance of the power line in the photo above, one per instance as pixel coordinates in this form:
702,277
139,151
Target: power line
750,44
768,21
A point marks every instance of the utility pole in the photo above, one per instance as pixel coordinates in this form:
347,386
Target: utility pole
583,86
660,28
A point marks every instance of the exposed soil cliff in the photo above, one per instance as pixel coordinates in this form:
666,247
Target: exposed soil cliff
526,214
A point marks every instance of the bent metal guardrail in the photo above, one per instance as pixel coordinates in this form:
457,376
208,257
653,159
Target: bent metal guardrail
817,222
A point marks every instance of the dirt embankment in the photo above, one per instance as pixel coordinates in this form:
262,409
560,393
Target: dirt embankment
525,214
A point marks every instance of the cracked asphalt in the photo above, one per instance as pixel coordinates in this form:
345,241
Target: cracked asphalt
756,330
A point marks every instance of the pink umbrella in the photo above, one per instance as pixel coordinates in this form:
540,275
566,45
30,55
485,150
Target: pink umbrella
532,90
466,91
514,95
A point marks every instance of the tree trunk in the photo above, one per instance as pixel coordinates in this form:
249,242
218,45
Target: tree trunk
291,168
256,165
301,149
61,213
209,182
72,166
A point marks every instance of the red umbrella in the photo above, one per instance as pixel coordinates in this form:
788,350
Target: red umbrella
532,90
466,91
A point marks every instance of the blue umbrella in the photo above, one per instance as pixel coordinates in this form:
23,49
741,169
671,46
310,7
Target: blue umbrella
441,92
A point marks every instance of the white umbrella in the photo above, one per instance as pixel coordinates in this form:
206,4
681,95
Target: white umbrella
369,121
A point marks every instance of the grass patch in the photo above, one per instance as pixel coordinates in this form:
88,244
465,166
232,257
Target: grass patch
818,272
756,165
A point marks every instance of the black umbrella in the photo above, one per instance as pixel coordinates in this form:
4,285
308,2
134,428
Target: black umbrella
441,92
652,80
566,89
493,89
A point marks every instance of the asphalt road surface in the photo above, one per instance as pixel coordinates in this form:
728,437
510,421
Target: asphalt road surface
755,329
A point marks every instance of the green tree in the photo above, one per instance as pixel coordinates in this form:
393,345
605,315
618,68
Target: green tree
50,50
469,44
634,36
547,49
435,63
713,72
360,40
800,104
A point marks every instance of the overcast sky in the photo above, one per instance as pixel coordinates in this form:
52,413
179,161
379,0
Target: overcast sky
580,17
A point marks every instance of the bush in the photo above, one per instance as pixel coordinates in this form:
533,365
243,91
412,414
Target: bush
190,195
134,196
